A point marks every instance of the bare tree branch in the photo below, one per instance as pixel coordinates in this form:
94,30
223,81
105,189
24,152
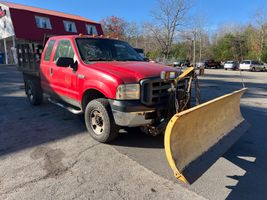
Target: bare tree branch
168,17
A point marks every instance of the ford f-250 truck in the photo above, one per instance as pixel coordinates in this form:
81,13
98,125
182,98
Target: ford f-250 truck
114,87
106,79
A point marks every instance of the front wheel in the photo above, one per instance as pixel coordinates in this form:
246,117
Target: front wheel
99,120
34,92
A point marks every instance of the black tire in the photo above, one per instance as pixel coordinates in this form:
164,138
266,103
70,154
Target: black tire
34,92
253,69
99,121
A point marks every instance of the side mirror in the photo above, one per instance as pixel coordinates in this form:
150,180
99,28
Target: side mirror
67,62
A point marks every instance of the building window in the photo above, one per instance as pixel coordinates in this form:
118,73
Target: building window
91,29
70,26
43,22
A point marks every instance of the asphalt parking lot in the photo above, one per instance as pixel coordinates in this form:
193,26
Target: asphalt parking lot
45,152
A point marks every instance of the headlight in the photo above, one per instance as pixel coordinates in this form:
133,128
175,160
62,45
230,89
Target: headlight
167,76
128,91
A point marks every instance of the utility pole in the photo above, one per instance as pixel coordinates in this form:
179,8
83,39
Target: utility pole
192,38
194,50
200,47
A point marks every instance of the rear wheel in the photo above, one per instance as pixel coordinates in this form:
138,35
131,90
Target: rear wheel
34,92
99,120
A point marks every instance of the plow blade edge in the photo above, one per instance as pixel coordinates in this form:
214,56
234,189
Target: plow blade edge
196,138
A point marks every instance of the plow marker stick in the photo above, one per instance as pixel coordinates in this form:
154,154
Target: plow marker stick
191,135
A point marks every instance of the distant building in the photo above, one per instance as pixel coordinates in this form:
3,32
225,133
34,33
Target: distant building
21,24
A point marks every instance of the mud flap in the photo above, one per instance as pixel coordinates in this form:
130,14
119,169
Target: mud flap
196,138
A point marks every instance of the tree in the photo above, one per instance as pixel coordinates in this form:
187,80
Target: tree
223,49
114,27
264,54
168,17
260,34
134,34
180,51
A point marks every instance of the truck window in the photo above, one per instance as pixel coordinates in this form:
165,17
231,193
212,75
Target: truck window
64,49
123,52
94,49
49,50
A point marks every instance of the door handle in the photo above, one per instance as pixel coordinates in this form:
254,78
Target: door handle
51,71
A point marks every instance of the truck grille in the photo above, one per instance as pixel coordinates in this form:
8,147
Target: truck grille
155,91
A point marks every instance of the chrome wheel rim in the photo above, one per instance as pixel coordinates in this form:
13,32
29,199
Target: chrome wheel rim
97,122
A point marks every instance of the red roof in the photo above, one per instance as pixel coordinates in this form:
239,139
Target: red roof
45,11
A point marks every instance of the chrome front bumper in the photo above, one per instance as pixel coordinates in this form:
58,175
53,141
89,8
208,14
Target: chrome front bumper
131,119
131,113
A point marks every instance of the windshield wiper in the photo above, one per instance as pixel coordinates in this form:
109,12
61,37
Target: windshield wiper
98,59
104,59
128,60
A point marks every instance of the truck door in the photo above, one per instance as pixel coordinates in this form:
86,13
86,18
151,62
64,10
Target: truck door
64,80
45,66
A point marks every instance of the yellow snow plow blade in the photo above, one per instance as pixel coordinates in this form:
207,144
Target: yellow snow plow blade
192,134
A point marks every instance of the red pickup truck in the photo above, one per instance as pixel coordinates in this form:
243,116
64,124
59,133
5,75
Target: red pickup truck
106,79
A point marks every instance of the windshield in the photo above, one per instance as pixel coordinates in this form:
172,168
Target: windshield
94,49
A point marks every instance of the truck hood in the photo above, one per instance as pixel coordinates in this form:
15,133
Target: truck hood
132,71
